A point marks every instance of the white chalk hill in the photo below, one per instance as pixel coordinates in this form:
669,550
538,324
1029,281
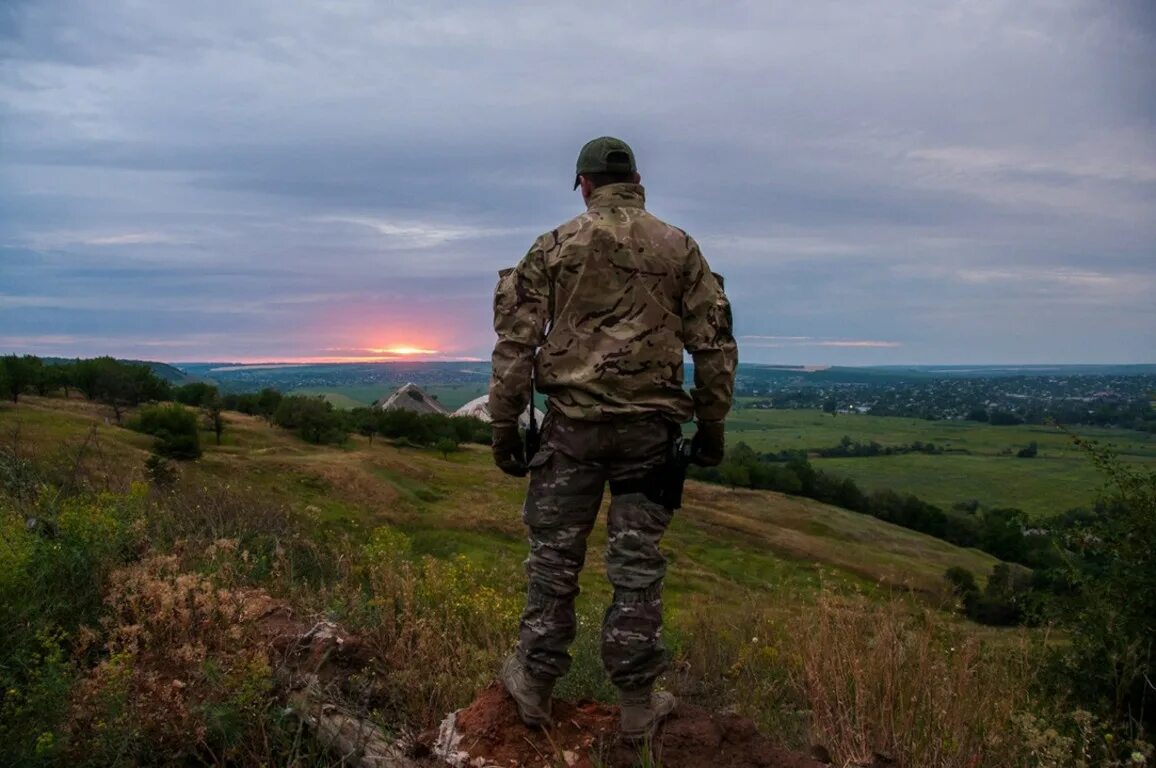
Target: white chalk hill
410,398
479,408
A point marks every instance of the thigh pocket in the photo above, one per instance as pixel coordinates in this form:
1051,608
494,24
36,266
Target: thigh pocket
562,492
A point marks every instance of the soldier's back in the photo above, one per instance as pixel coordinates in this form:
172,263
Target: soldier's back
617,276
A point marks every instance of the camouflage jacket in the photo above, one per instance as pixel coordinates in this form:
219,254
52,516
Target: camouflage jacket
602,308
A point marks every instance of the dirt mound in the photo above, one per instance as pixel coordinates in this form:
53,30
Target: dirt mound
488,733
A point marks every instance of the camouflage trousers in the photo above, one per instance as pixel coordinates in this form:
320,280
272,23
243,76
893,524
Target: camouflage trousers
567,480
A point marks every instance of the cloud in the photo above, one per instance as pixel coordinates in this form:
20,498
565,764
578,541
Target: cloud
418,234
58,240
779,342
278,179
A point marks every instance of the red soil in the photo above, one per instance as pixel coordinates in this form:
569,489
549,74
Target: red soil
585,736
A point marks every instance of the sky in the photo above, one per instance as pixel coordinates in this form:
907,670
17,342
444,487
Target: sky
889,182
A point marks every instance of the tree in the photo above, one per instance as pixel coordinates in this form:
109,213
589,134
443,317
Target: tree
197,394
86,376
1002,534
365,421
118,384
312,417
124,385
51,378
19,374
445,446
214,418
268,400
735,475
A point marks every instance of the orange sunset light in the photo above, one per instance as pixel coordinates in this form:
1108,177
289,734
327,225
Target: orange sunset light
404,351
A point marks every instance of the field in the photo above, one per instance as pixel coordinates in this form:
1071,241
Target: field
980,462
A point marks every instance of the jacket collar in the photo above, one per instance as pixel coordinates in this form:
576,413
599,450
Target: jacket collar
623,195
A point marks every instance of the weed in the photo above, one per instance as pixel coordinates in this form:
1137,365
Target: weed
185,675
437,627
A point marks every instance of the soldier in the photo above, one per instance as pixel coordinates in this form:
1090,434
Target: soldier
598,313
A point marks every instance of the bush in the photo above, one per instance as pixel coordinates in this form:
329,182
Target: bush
313,418
52,582
175,429
437,626
184,675
1112,659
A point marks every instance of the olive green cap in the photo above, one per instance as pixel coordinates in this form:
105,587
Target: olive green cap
605,154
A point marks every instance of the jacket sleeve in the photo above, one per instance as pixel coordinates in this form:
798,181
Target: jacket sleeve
521,314
709,337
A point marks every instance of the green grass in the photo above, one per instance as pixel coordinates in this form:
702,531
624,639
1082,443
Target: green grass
980,463
782,429
345,399
722,544
1040,487
456,395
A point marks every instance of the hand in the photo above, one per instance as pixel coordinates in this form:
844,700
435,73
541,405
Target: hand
509,453
709,444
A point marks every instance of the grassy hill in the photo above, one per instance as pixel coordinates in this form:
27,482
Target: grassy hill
720,540
822,625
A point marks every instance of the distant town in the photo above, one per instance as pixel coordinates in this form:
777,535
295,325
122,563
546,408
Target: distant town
1104,399
1120,396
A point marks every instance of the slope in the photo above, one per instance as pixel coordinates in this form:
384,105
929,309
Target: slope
720,540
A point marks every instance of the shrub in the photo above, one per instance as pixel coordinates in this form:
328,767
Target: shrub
185,676
160,471
175,429
51,588
438,627
1112,659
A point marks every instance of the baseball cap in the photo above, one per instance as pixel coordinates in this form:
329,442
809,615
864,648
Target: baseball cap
605,154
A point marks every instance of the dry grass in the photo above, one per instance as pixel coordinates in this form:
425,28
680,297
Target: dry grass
883,679
183,673
863,678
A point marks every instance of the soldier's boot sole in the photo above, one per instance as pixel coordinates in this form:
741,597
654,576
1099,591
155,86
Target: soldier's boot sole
531,694
640,715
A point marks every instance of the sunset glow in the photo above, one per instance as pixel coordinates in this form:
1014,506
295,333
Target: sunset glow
406,351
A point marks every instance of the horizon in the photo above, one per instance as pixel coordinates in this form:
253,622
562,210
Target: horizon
914,184
806,367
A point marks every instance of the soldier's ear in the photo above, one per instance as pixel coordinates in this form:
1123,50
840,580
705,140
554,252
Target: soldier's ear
637,178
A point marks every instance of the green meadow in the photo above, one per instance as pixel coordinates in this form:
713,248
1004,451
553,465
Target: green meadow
979,462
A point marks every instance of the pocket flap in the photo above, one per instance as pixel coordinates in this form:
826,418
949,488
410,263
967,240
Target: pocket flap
540,458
